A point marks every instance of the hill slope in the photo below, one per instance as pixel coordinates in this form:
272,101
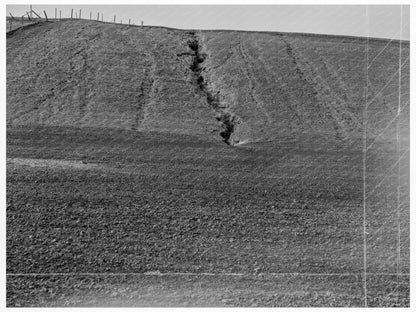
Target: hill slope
259,86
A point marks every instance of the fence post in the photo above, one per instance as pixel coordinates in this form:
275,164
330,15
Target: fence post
72,11
45,15
114,19
142,23
22,20
31,12
90,15
79,13
36,14
56,13
28,16
98,16
129,21
102,17
11,16
60,15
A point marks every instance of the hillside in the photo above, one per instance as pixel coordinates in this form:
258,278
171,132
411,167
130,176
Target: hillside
153,166
261,86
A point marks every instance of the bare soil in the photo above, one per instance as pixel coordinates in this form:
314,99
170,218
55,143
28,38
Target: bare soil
118,165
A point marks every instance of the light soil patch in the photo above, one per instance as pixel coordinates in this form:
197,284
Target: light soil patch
52,163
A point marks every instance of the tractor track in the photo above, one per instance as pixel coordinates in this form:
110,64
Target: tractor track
245,68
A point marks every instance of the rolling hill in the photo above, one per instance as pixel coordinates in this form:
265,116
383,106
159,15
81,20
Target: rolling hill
265,86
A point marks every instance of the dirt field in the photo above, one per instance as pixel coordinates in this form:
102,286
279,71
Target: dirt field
156,167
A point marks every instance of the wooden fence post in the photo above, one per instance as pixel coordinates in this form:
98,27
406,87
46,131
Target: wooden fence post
114,19
31,12
90,15
72,11
60,15
56,13
28,16
45,15
22,20
79,14
129,21
11,16
98,16
37,14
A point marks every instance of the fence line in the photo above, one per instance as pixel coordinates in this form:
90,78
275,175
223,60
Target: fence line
29,17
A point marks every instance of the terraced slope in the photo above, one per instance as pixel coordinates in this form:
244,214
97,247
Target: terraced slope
153,166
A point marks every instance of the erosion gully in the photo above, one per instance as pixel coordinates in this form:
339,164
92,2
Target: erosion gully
228,120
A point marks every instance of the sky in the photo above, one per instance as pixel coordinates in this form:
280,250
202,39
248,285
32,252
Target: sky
382,21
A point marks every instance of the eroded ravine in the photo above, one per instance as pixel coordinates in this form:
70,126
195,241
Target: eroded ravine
228,120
